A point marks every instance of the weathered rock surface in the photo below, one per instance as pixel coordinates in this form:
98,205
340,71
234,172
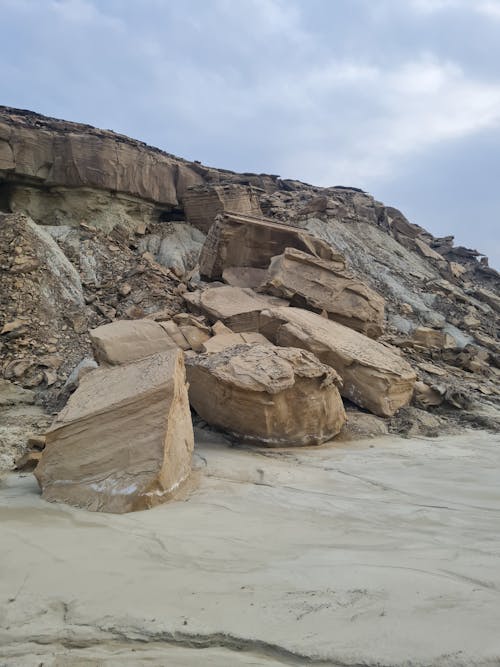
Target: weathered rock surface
244,276
176,245
436,338
236,307
237,240
52,153
267,395
124,441
374,376
321,284
222,341
203,203
128,340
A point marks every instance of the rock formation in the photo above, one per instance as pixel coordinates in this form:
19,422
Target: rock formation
325,285
245,241
97,229
266,395
124,441
374,377
238,308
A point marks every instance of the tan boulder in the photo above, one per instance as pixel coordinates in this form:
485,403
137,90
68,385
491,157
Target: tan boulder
222,341
427,337
236,307
321,284
374,376
124,441
127,340
244,276
267,395
240,240
425,396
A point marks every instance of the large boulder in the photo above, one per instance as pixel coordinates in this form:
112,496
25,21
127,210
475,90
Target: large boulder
124,441
236,307
321,284
241,240
128,340
267,395
374,376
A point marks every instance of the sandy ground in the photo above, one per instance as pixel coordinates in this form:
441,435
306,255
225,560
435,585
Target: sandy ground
385,552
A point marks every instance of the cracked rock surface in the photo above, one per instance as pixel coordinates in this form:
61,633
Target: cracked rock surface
370,553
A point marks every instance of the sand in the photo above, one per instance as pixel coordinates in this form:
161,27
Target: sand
384,552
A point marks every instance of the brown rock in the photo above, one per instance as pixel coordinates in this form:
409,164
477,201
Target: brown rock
203,203
175,334
237,307
433,338
222,341
124,441
374,376
321,284
220,328
267,395
244,276
425,396
244,241
195,336
28,461
15,325
128,340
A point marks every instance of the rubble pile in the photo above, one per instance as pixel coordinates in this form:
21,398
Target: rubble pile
119,263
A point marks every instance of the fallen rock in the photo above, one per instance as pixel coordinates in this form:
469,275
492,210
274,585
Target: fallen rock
266,395
124,441
433,338
128,340
12,394
245,241
244,276
361,425
236,307
28,461
424,396
203,203
222,341
374,376
320,284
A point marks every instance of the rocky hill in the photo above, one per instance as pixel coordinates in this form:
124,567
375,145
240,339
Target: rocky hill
96,228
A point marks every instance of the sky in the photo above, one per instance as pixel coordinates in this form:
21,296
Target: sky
398,97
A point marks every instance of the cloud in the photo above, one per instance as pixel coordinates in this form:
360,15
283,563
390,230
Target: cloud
488,8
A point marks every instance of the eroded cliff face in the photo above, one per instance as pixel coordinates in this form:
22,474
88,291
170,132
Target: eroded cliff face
96,227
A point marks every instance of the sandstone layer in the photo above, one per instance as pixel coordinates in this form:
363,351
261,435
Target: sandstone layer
124,441
325,285
267,395
374,377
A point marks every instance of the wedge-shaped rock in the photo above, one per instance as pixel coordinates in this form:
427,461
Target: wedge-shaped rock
374,377
124,441
236,307
322,284
128,340
267,395
240,240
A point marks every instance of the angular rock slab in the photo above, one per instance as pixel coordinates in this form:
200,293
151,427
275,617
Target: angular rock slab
236,307
374,377
124,441
267,395
241,240
326,285
125,341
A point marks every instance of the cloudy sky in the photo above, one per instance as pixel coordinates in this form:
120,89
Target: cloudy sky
398,97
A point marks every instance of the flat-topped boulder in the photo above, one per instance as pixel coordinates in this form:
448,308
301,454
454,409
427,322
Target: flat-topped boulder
124,341
267,395
242,240
202,203
326,285
124,441
374,375
236,307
